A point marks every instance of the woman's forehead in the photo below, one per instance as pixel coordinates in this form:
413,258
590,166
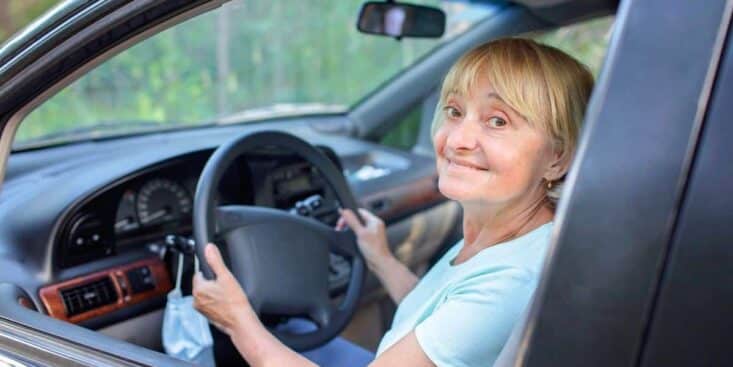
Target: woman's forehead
482,92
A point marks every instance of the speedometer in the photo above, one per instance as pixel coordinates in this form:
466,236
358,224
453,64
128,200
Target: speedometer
161,200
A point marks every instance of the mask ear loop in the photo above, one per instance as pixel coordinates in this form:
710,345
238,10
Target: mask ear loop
179,272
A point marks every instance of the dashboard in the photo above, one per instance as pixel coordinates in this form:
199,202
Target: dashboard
141,211
85,225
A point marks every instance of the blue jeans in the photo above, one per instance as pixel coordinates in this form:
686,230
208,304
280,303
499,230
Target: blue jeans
336,353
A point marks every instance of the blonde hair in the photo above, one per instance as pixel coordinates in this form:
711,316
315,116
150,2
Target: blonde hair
548,87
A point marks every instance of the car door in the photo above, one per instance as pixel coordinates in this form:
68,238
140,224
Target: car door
635,273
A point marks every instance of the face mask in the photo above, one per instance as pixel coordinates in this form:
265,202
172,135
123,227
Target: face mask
186,333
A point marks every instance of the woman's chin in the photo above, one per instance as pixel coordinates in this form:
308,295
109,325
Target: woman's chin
455,189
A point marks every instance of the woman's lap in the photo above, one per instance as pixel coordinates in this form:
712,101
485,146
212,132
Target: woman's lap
338,352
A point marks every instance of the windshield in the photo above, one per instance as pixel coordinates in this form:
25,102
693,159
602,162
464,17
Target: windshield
246,61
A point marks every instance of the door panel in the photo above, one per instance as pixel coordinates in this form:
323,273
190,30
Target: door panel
692,319
613,227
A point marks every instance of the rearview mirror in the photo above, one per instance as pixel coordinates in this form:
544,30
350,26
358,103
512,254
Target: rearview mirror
401,20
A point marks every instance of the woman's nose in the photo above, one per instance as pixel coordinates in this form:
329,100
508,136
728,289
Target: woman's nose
462,136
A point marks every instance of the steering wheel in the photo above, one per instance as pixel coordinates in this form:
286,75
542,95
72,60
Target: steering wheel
280,259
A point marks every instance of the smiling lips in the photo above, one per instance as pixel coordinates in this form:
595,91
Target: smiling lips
465,164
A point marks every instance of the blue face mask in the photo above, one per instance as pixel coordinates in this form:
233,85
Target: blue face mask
186,333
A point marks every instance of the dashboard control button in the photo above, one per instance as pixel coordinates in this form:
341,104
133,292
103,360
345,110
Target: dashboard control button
303,210
316,203
141,279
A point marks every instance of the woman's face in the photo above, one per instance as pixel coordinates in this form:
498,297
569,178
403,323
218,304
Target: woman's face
487,153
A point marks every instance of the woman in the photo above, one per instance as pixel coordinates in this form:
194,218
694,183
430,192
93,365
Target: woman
504,131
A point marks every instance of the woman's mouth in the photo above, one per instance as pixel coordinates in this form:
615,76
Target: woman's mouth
464,164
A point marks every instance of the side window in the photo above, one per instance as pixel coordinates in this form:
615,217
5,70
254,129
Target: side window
404,134
586,41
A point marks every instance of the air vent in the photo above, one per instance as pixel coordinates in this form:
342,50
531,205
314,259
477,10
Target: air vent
89,296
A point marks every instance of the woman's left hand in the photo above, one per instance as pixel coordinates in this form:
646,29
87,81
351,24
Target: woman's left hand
221,300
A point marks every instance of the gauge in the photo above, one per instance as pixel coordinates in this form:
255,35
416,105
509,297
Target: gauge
126,219
162,200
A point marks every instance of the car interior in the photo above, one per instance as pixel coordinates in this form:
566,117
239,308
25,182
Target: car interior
92,228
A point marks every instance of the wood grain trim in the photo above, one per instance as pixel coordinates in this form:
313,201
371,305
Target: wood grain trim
400,200
51,295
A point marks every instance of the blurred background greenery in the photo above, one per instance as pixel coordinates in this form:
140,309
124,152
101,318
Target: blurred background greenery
251,60
15,14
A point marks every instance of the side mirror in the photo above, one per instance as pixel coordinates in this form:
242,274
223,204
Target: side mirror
401,20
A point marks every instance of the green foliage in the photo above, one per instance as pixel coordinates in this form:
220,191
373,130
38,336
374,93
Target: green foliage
585,41
15,14
245,55
404,134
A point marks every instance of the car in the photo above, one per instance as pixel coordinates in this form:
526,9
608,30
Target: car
95,200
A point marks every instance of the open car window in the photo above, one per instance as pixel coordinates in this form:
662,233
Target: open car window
242,62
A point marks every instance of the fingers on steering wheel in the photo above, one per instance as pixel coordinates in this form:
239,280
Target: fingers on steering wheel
351,220
340,224
215,261
368,216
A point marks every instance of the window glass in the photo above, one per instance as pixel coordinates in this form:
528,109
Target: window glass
404,134
246,61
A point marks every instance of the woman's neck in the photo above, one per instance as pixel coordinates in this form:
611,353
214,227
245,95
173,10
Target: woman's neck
486,225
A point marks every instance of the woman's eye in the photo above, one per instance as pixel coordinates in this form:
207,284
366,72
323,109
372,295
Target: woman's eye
452,112
496,122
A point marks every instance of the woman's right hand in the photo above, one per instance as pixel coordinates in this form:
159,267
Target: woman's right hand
371,236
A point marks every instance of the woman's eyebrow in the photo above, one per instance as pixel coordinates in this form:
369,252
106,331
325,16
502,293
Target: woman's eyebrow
496,96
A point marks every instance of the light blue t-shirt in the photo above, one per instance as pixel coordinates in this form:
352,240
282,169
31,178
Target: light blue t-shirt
463,314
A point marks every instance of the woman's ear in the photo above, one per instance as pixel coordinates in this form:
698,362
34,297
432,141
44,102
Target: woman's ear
558,166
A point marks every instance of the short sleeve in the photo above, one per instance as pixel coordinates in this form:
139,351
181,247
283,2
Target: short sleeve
472,325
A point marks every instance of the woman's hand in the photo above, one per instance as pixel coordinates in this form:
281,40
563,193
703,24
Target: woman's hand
371,236
221,300
372,240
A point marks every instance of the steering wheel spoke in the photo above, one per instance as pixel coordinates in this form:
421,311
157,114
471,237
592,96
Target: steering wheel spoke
230,217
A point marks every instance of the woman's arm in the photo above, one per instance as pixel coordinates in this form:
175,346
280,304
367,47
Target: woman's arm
226,306
396,278
372,240
406,352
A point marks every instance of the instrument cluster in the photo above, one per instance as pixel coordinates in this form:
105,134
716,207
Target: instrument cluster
157,201
147,207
